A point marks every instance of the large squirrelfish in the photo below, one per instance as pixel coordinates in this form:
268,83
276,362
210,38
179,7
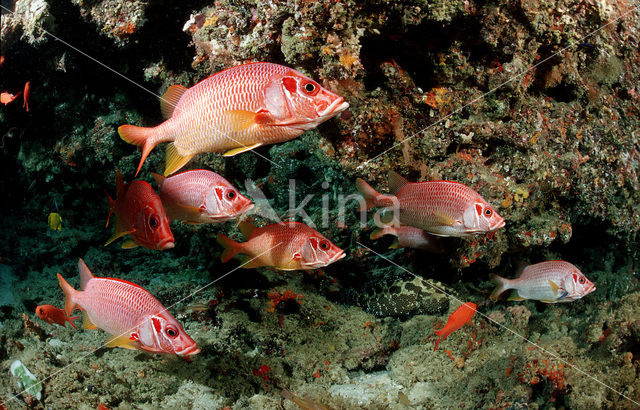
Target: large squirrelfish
442,208
201,196
410,237
235,110
139,213
134,318
285,246
549,282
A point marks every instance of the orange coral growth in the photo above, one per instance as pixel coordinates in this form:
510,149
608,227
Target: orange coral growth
276,298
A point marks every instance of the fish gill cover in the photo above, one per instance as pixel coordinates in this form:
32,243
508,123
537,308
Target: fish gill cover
535,105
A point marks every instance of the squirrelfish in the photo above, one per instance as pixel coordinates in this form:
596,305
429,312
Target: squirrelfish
201,196
234,111
54,315
285,246
6,98
457,319
442,208
410,237
139,213
549,282
134,318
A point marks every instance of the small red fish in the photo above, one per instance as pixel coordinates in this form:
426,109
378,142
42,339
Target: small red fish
134,318
139,213
458,318
53,315
410,237
25,95
201,196
442,208
233,111
285,246
6,98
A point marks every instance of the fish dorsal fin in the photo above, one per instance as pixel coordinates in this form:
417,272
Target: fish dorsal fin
86,322
122,341
174,161
170,99
396,182
240,150
246,228
159,179
85,274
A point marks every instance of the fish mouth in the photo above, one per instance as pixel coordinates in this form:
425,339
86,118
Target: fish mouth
591,289
334,108
499,225
338,256
189,351
166,244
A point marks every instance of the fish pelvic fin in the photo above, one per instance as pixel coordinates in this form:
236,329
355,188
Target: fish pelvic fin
122,341
117,235
69,295
231,247
140,136
170,99
380,232
502,285
371,197
173,160
129,244
240,150
396,182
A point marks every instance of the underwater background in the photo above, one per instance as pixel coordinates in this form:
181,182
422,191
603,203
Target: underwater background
534,104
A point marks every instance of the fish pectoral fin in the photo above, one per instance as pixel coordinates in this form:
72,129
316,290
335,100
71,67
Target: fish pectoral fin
554,287
86,322
240,150
129,243
122,341
173,160
446,220
191,209
241,120
118,235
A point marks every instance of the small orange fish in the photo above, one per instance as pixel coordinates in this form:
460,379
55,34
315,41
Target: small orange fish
458,318
6,98
53,315
25,95
1,60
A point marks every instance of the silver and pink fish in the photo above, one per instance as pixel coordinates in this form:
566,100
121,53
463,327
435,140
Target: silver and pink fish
201,196
549,282
410,237
442,208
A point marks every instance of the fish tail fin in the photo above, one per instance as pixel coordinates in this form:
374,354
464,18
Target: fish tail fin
112,206
71,319
140,136
502,285
371,197
69,293
231,247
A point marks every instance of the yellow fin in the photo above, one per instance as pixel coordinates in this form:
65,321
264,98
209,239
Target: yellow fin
547,301
174,161
241,120
129,243
445,219
86,322
118,235
395,244
122,341
246,228
170,99
240,150
554,287
514,296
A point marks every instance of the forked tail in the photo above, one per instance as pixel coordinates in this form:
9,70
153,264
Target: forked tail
371,197
140,136
231,247
502,285
69,293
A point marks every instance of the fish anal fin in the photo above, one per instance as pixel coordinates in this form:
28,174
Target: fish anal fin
86,321
174,160
515,296
240,150
122,341
170,99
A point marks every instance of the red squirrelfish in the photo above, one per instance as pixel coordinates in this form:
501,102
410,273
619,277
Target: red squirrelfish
234,111
549,282
201,196
134,318
442,208
53,315
288,246
25,95
139,213
6,98
457,319
410,237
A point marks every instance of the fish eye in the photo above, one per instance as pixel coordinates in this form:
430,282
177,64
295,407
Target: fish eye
172,331
581,280
309,87
488,212
231,194
324,245
153,221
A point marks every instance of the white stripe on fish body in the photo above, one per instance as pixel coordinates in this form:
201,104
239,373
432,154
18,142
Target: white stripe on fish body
116,306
